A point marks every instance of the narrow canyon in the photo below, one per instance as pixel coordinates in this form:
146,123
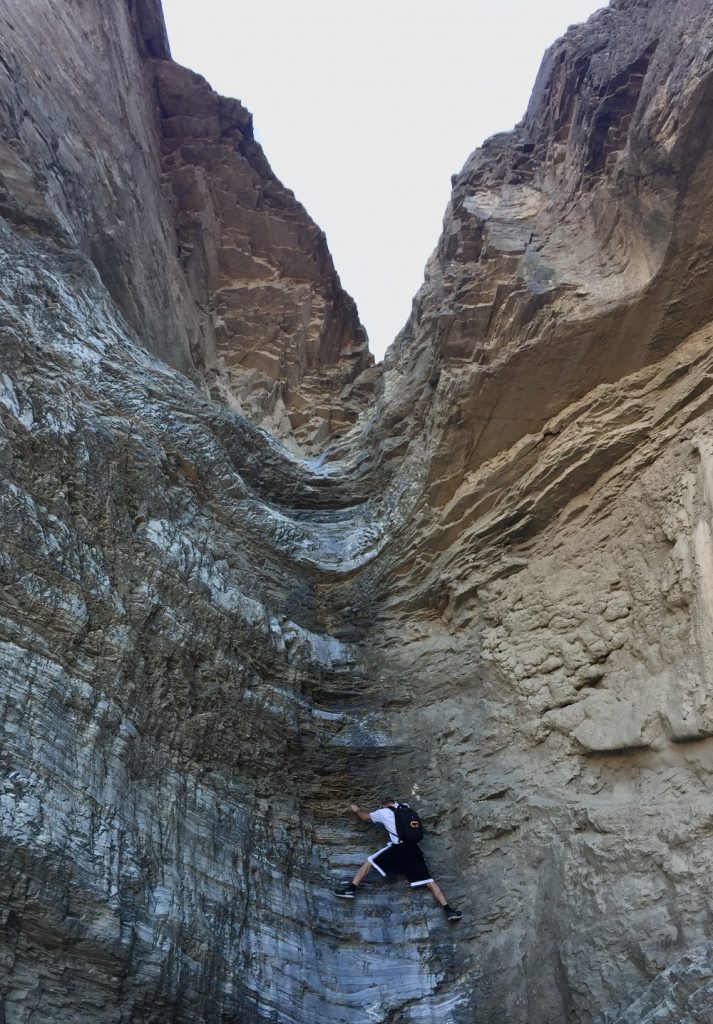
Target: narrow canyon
249,576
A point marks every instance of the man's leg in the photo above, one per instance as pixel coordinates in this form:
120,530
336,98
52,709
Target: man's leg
451,914
416,870
386,861
361,873
348,892
437,893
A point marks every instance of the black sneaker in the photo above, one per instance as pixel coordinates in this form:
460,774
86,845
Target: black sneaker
451,914
347,892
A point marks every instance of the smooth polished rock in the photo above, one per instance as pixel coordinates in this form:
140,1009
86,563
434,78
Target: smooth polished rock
177,735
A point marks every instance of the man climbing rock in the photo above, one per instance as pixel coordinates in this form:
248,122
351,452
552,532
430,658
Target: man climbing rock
401,855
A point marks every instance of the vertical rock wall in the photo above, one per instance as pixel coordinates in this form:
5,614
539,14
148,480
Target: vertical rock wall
80,160
110,148
287,337
493,596
548,602
181,704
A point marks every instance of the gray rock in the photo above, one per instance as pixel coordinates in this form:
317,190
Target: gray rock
491,594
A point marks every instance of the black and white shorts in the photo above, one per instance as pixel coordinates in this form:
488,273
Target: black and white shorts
404,859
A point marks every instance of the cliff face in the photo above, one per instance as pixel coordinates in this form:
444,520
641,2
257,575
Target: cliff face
569,243
111,148
493,596
80,159
287,338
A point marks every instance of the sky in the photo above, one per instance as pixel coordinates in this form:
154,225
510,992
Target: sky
365,109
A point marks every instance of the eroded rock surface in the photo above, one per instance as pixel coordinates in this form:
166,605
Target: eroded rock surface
288,338
80,158
137,163
683,994
493,594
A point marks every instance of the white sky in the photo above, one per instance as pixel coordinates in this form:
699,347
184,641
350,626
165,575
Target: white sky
365,109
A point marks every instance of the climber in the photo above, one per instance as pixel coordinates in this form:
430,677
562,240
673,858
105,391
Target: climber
398,857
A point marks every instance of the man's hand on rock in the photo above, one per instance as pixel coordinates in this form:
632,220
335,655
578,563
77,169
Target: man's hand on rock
354,807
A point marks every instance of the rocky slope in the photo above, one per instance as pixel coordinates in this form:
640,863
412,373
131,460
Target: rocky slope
493,594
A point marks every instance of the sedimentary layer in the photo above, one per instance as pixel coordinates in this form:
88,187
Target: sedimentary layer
492,594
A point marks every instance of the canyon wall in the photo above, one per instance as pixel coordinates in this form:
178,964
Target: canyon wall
492,593
287,338
111,149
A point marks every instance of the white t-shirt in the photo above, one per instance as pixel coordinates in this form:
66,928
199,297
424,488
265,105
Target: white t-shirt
385,816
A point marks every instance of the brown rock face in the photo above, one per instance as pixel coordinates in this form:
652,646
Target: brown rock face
79,158
287,337
493,596
569,243
213,261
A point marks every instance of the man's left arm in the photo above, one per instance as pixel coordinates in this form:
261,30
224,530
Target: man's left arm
363,815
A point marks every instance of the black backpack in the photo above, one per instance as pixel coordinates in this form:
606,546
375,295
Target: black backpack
408,824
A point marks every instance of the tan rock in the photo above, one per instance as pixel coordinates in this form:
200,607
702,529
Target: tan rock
255,257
